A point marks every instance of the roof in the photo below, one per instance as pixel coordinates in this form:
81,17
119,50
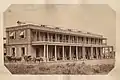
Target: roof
55,29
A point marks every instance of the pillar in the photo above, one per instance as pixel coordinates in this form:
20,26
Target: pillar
56,37
7,37
91,52
93,40
104,53
29,49
113,53
29,41
63,53
77,52
44,53
77,39
101,52
39,36
55,54
51,38
108,51
62,38
47,53
43,36
69,39
35,36
48,37
96,52
83,52
84,40
70,53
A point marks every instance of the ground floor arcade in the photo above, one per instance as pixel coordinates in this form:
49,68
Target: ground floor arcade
61,52
58,52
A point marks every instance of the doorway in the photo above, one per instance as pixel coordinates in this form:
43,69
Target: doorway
23,51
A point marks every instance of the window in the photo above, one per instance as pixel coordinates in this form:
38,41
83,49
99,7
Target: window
12,35
22,34
23,51
13,52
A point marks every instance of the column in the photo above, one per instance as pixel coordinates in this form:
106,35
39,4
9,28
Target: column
70,53
7,37
69,39
29,49
55,37
84,40
29,41
65,38
91,52
39,36
62,38
47,53
113,53
44,53
108,51
83,52
77,52
96,52
111,48
35,35
104,53
58,37
101,52
77,39
51,38
93,40
55,54
43,36
63,53
29,35
48,37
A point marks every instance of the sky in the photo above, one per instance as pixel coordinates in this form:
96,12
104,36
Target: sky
95,18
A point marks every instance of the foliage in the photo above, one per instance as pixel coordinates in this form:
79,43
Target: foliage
53,68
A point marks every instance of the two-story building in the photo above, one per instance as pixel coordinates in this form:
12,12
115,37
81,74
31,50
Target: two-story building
55,43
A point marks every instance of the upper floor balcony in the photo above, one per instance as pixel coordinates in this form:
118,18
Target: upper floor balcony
61,39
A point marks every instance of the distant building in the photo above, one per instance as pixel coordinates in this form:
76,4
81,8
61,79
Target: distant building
55,43
4,45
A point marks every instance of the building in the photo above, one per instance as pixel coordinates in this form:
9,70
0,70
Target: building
4,45
54,43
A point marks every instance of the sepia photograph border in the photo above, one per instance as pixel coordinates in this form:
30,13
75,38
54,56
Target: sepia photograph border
5,74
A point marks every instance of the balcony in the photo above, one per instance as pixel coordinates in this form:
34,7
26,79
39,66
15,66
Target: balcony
65,42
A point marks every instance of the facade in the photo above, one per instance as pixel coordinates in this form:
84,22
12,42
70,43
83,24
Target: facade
54,43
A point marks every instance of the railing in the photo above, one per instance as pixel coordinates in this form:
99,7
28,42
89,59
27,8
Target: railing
69,41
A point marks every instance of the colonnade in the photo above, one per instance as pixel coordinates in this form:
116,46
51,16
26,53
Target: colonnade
86,53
